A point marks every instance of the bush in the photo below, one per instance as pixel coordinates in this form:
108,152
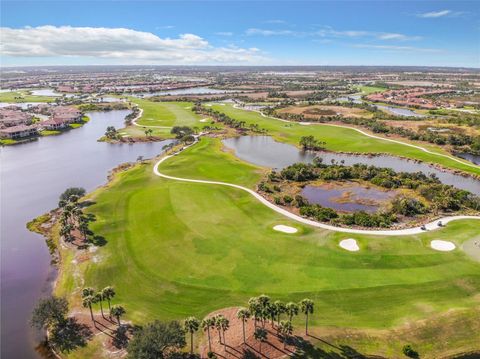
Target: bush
409,352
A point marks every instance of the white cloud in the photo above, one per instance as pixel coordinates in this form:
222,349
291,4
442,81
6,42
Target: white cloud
329,32
434,14
396,48
394,36
121,44
265,32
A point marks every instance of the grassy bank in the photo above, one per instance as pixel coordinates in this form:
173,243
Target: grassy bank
176,249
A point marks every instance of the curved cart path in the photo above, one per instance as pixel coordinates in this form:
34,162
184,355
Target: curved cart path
366,134
393,232
134,121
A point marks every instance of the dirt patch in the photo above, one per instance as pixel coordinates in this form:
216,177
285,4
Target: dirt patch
234,346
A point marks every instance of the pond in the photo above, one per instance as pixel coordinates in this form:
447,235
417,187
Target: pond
266,152
469,157
399,111
49,92
347,198
186,91
32,177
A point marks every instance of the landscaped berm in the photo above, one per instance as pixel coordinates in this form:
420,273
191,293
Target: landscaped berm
175,249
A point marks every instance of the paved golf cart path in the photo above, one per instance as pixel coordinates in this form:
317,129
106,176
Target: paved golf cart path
393,232
366,134
134,121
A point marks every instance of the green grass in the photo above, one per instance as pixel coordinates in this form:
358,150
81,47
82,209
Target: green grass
50,132
367,90
8,142
176,249
341,139
166,114
23,96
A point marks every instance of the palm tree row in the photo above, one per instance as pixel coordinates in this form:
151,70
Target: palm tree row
218,322
72,217
90,296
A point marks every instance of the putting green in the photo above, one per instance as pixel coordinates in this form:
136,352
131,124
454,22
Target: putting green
176,249
342,139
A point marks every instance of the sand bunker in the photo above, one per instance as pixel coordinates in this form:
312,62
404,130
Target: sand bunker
443,246
304,123
350,245
285,229
204,120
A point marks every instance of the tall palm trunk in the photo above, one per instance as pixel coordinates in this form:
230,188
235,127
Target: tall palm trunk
224,341
91,312
101,309
209,342
306,324
191,343
219,336
118,319
243,327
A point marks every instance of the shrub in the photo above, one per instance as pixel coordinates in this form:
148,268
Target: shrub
409,352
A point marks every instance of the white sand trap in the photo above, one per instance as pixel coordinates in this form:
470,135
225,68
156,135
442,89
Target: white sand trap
350,245
444,246
304,123
204,120
187,108
208,105
285,229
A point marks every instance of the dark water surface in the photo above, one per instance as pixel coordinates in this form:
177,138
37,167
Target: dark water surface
32,176
265,151
357,197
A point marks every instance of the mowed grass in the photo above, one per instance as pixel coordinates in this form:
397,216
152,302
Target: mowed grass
164,114
370,89
340,139
176,249
23,96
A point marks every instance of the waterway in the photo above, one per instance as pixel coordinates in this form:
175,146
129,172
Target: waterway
265,151
32,176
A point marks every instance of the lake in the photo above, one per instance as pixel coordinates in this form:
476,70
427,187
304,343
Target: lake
266,152
32,177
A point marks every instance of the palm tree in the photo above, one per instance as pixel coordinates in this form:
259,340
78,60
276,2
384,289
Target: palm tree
291,309
264,301
191,325
243,314
260,334
218,326
286,328
117,311
108,294
99,299
87,303
280,309
206,324
306,306
88,291
222,324
272,312
254,307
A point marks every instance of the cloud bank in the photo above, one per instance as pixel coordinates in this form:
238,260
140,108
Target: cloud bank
121,44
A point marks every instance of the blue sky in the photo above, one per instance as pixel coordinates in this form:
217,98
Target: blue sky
431,33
